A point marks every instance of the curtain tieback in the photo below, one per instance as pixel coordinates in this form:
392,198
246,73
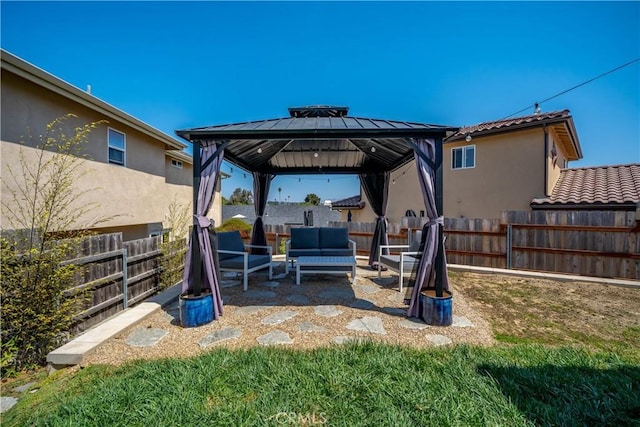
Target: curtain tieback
435,221
201,221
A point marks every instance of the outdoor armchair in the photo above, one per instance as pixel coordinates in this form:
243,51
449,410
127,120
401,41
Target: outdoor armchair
233,256
403,262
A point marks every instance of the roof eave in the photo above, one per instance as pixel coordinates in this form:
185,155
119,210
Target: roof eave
625,206
48,81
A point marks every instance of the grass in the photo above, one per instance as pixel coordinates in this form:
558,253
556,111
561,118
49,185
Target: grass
567,355
354,385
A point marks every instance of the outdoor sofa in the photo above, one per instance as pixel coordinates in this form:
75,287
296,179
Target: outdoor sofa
318,241
233,256
403,262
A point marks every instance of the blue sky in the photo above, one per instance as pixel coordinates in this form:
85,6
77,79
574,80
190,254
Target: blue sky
181,65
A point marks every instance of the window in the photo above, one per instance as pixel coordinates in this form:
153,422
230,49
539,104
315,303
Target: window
463,157
116,147
176,163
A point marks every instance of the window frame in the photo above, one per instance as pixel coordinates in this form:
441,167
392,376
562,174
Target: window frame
463,150
110,147
176,163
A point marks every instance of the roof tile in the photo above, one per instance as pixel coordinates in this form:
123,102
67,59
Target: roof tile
618,184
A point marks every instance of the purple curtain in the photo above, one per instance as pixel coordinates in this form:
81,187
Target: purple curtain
261,184
424,275
376,188
210,162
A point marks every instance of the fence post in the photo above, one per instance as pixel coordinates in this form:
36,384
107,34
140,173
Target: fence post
277,244
509,245
125,286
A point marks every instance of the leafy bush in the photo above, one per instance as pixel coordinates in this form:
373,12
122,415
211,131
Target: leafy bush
237,224
174,244
42,206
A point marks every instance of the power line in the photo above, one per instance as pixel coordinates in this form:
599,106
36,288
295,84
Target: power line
574,87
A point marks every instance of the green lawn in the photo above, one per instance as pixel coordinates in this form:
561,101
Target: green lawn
353,385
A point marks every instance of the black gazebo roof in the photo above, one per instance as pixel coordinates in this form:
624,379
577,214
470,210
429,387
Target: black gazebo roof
317,139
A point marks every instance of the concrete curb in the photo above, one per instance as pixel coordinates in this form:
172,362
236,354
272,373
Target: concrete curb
544,275
75,351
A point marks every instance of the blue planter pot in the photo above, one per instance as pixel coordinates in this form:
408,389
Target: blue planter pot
196,311
436,311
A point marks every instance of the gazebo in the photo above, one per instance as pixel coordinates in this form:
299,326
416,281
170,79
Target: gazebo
318,140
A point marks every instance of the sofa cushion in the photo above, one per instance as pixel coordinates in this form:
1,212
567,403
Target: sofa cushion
331,238
236,262
304,252
305,238
229,241
337,252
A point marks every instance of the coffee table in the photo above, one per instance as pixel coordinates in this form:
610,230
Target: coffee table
325,265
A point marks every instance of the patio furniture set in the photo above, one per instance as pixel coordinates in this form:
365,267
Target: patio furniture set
310,250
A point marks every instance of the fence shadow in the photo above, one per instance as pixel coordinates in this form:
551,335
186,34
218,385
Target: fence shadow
552,395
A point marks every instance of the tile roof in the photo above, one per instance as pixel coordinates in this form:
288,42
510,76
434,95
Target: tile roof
524,121
593,187
353,202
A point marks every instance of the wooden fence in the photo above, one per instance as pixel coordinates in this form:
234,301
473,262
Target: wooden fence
117,275
589,243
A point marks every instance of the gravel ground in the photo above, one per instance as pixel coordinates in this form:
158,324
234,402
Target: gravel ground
306,328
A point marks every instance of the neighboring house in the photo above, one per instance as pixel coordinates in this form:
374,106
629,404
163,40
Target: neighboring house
595,188
352,209
137,170
492,167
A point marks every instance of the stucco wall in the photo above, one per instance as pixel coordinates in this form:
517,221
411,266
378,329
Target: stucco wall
27,108
130,197
175,175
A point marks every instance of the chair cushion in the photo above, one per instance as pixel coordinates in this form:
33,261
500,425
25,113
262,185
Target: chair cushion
393,261
229,241
236,262
305,238
334,237
336,252
415,244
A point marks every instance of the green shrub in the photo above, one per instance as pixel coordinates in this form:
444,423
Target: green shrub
234,224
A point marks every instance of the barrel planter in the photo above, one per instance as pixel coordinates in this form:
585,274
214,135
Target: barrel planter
436,311
196,310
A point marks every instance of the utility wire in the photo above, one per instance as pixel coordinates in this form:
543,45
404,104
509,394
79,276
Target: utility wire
572,88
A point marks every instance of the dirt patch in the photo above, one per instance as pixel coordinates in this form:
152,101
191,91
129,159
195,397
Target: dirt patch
554,312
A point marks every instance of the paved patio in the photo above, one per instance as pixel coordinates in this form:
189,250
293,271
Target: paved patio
324,310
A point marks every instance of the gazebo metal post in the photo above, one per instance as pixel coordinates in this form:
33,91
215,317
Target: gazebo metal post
439,208
196,256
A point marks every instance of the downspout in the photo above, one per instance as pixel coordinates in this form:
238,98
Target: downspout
546,162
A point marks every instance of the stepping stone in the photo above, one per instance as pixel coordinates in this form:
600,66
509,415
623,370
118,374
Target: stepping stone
327,310
6,403
412,323
259,294
367,289
275,338
145,337
346,339
396,297
361,304
229,283
298,299
270,284
461,322
439,340
24,387
370,324
279,276
279,317
223,334
230,274
251,309
310,327
395,311
338,293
